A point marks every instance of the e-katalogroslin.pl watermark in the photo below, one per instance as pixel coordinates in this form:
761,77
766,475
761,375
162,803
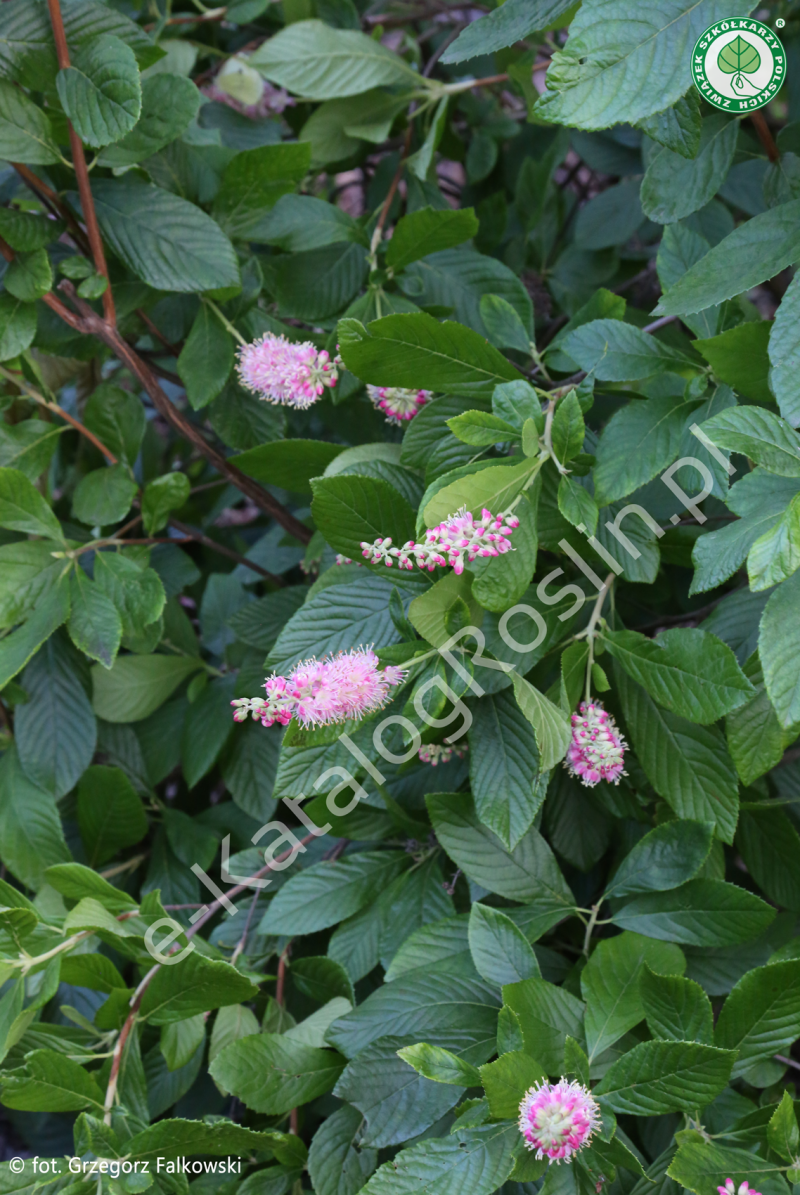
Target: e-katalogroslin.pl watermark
282,850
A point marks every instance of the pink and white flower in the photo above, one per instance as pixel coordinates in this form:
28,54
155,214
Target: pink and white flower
321,692
436,753
597,749
558,1119
730,1188
398,404
457,542
284,372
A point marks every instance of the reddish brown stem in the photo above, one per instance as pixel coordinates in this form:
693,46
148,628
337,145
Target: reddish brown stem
153,330
765,136
199,538
54,202
88,321
81,171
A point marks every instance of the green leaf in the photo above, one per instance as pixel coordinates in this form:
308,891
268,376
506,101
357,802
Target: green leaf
321,63
770,847
548,1015
289,464
481,428
550,725
100,91
27,231
637,444
440,1065
54,681
117,418
137,593
300,222
476,1160
272,1074
610,985
336,1163
506,1080
759,248
31,835
761,1016
206,730
136,686
500,581
678,128
508,785
686,764
25,132
783,1134
17,326
568,429
206,359
322,283
657,1077
104,496
94,624
164,240
253,183
180,1040
182,1138
161,496
17,648
110,814
504,325
784,354
326,893
427,231
417,351
690,672
676,1008
29,276
50,1082
192,986
28,446
22,507
674,186
699,913
617,352
604,75
432,613
494,488
169,104
497,30
777,644
500,951
528,874
759,434
351,510
738,356
461,278
577,505
702,1166
756,739
665,858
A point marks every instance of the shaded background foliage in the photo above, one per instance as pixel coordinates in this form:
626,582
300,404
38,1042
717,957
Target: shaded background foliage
511,208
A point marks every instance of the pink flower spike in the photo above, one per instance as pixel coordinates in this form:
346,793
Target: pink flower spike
558,1119
597,749
398,405
282,372
730,1188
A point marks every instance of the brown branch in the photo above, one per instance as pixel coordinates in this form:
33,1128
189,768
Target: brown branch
153,330
57,410
89,322
765,136
198,537
81,171
54,203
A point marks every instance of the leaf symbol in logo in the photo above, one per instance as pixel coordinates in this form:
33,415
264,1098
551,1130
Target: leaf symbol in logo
737,58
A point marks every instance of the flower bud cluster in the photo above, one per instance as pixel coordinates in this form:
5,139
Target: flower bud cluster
597,749
457,542
322,692
436,753
398,405
283,372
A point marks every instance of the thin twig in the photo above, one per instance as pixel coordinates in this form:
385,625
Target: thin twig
240,945
30,392
765,136
200,538
54,202
153,330
81,171
661,323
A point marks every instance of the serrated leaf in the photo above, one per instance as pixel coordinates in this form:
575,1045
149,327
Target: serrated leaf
100,91
550,725
507,782
674,186
506,1080
206,358
476,1160
270,1073
169,104
25,131
699,913
657,1077
637,444
500,951
770,847
427,231
778,640
50,1082
784,355
326,893
665,858
496,30
440,1065
136,686
676,1008
761,1015
547,1015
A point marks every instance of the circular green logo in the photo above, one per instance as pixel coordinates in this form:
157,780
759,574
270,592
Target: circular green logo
738,65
